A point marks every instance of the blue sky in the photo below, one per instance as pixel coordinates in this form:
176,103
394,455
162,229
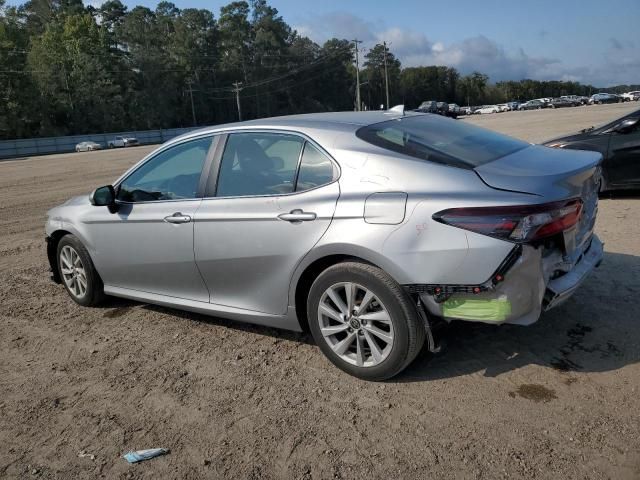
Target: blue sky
585,40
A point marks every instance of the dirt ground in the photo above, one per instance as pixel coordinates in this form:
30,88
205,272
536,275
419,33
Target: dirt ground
559,399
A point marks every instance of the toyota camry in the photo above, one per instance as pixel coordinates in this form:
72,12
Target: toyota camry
366,228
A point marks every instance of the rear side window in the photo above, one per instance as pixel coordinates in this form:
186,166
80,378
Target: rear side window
315,169
449,142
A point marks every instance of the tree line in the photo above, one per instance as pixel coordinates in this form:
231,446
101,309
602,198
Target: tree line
70,69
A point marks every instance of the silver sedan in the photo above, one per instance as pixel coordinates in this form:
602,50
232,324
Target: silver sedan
367,229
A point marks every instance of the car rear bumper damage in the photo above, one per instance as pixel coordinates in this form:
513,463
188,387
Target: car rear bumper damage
517,294
561,288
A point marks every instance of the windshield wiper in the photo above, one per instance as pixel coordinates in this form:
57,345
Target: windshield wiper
585,130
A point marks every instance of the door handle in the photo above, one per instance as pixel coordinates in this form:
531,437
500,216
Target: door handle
177,218
297,215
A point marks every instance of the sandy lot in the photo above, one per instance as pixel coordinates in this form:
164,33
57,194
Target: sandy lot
559,399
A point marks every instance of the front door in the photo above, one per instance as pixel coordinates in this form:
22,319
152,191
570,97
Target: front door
147,245
623,162
275,197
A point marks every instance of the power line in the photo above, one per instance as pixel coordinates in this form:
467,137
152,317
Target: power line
275,90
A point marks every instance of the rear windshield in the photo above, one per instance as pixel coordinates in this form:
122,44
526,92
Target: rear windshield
450,142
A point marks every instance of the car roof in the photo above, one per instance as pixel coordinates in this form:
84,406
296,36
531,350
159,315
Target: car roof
327,121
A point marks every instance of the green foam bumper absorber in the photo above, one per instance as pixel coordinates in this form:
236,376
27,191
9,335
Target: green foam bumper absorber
478,309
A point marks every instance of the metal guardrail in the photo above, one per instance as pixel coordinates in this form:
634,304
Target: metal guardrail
43,146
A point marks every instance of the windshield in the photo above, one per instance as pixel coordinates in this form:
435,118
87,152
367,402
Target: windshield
450,142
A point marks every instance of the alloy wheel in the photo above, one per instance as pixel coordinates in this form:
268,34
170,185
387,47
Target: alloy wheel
73,271
355,324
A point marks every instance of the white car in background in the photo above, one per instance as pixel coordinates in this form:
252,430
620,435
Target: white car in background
87,146
488,109
631,96
122,142
503,107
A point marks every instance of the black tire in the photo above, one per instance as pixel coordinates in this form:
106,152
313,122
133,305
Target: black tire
409,330
94,294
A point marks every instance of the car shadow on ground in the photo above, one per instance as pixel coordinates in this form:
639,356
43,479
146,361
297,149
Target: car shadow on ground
620,194
300,337
597,330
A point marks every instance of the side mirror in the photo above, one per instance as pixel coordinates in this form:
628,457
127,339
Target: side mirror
627,125
104,197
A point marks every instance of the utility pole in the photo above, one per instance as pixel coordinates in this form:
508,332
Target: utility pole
237,89
193,109
358,103
386,74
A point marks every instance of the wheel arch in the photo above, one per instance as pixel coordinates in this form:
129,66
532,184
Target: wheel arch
52,250
324,257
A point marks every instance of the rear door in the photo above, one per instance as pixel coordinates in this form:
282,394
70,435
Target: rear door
623,162
270,198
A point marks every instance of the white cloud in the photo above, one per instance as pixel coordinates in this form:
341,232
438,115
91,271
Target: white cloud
337,24
620,64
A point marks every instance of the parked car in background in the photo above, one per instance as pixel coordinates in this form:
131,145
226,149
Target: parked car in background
488,109
454,110
466,110
578,99
121,142
561,102
443,108
600,98
631,96
532,105
274,222
503,107
429,106
513,105
619,144
87,146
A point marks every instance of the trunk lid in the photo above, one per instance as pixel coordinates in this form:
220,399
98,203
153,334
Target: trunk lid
553,174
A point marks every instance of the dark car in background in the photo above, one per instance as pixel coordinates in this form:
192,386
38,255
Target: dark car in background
619,144
454,110
600,98
431,106
561,102
577,99
532,105
443,108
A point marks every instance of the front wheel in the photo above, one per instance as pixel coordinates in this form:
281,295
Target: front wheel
363,321
79,276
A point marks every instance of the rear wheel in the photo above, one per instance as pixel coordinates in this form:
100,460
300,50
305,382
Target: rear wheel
363,321
77,272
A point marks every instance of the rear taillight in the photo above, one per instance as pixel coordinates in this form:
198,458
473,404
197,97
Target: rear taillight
519,224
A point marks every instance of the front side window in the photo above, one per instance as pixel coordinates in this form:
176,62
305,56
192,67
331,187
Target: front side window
173,174
259,164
